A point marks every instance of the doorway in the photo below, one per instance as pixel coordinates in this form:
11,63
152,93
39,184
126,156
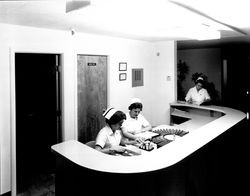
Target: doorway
38,120
91,95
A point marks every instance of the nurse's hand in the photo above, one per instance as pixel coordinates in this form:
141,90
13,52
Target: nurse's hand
190,101
118,149
140,139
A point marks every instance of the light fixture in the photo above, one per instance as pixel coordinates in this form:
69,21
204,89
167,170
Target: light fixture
155,19
220,12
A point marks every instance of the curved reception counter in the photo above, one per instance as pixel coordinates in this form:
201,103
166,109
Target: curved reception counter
80,167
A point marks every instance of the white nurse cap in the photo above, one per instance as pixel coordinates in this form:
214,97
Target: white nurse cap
109,112
199,78
135,100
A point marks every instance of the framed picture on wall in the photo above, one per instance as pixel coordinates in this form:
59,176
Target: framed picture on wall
122,66
122,76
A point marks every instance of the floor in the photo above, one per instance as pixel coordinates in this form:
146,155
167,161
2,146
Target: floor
43,185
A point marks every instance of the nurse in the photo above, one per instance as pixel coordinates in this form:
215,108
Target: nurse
135,122
197,94
109,138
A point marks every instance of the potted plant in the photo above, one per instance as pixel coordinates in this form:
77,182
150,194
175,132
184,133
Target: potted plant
182,70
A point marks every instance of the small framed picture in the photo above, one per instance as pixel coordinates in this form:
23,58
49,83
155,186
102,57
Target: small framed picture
122,76
122,66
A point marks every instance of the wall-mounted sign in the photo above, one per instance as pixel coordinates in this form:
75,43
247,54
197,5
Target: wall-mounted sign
122,76
122,66
91,64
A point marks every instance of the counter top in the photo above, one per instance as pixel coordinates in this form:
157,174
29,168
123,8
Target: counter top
196,119
202,107
201,129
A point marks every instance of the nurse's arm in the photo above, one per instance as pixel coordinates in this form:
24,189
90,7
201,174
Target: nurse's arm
128,135
146,128
126,141
104,150
110,150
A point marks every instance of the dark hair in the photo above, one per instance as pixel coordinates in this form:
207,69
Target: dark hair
135,106
116,118
199,81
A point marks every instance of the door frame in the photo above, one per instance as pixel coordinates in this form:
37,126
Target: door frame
12,52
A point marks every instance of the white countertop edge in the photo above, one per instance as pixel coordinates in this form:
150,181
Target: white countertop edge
161,158
204,107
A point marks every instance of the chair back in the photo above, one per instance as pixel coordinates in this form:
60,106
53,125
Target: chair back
91,144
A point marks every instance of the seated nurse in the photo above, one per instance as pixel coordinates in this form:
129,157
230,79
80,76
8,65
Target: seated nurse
109,138
135,121
197,94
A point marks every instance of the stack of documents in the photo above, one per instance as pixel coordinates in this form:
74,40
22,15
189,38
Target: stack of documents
147,134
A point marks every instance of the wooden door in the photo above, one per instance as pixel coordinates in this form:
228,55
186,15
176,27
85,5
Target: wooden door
92,95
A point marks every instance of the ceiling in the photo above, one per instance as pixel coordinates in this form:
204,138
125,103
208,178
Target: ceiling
150,20
223,42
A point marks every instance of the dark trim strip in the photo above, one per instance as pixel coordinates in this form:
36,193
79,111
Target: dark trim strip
105,113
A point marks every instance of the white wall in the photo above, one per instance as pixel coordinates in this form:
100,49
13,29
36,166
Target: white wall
156,93
164,81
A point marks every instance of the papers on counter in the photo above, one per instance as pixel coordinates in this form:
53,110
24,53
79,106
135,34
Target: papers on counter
147,134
